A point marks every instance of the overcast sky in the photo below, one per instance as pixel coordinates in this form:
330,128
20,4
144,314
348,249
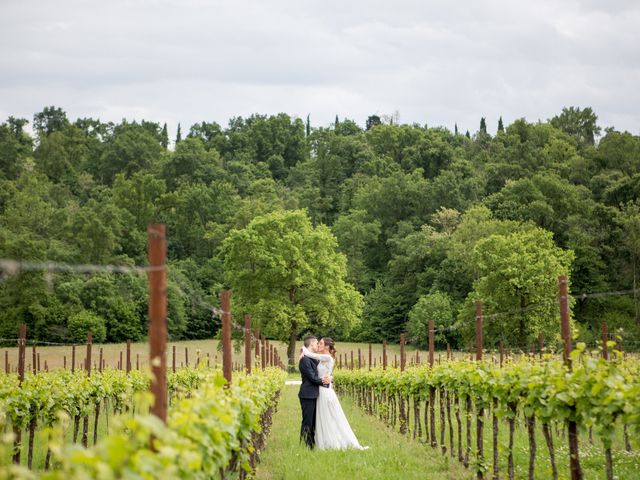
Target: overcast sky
434,62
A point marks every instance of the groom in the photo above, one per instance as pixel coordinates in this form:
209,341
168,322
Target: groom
309,391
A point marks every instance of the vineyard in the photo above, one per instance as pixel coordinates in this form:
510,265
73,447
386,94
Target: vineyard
533,405
212,430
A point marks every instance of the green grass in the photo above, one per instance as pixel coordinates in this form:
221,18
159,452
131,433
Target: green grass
391,456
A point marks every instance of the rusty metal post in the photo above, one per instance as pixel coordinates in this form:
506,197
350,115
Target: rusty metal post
157,276
564,317
247,343
479,318
128,367
87,366
403,357
384,355
225,304
173,361
432,331
540,344
267,352
605,339
22,344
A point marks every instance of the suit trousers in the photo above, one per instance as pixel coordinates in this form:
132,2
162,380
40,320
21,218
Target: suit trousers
308,429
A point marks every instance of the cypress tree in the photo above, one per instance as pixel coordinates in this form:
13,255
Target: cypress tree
467,134
483,125
178,135
455,127
164,137
500,125
336,124
308,128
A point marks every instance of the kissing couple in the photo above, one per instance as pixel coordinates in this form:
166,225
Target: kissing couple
324,424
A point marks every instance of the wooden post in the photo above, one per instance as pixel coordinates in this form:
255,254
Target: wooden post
157,247
479,318
128,356
351,359
6,361
370,356
34,361
605,339
384,355
73,358
38,361
448,351
137,361
501,352
121,362
247,343
263,354
186,357
359,359
403,358
432,331
225,304
100,362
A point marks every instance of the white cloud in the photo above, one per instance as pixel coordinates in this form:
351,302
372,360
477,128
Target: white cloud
436,62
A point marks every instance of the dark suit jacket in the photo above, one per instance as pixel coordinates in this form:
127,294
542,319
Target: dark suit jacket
310,379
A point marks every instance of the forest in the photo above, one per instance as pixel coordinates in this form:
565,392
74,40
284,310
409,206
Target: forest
396,224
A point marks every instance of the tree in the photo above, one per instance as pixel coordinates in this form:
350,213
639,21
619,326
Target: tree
519,275
579,123
629,220
455,128
372,121
289,276
500,125
164,136
49,120
178,135
483,125
434,306
356,236
308,126
83,322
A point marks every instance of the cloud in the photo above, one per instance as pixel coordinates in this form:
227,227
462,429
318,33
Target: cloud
435,62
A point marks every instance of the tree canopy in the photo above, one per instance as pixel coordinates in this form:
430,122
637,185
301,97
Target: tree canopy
369,224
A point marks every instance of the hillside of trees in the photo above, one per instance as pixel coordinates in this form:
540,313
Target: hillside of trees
429,220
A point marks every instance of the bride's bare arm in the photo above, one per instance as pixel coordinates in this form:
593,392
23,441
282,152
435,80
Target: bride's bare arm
316,356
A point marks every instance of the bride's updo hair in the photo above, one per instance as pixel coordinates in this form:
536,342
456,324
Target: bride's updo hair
331,345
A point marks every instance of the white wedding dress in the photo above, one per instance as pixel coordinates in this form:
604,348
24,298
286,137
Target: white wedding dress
333,431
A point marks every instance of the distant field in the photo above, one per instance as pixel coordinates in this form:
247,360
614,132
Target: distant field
54,356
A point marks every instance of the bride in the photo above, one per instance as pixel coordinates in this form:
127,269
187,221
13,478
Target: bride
332,427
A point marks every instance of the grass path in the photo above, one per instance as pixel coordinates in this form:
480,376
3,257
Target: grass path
390,456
